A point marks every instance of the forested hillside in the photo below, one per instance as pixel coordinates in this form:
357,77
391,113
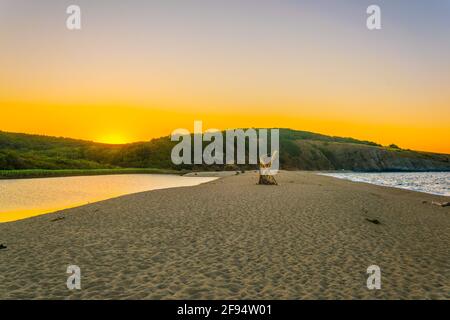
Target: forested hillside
299,150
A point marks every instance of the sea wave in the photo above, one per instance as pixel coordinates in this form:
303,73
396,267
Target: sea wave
429,182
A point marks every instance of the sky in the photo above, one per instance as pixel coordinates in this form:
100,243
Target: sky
140,69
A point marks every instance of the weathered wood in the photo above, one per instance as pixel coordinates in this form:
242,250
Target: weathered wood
267,180
264,168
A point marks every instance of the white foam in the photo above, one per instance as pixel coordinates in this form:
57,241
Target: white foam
428,182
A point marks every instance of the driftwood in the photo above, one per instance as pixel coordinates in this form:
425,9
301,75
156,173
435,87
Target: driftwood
58,219
265,176
374,221
441,204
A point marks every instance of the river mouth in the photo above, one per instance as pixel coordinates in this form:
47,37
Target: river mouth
25,198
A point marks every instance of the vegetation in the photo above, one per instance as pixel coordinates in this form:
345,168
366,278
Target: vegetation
41,173
299,150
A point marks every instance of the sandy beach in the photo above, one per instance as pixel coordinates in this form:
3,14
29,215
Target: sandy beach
307,238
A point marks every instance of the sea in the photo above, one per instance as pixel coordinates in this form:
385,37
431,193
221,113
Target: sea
429,182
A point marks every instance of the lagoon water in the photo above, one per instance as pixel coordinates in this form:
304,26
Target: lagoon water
23,198
428,182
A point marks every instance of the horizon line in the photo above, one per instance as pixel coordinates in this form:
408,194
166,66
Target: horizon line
164,136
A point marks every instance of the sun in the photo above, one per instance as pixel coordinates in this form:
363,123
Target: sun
113,139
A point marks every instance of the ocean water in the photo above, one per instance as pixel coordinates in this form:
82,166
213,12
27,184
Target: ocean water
23,198
428,182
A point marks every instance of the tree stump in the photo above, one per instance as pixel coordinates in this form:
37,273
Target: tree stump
265,164
267,180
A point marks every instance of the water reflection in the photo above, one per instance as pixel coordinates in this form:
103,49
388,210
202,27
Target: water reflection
23,198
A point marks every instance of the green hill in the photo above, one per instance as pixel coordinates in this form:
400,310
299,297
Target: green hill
299,150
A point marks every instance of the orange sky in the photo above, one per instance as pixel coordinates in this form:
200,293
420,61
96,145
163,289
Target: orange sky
132,74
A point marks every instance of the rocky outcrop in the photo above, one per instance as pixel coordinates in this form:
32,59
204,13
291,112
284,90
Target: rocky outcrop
316,155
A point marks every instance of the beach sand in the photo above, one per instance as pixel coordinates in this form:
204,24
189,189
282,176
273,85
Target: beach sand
307,238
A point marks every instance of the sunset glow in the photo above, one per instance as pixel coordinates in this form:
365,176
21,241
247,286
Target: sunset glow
138,72
112,139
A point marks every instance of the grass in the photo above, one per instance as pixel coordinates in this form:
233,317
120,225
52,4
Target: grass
43,173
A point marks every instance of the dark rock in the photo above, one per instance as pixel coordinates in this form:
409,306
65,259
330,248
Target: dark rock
2,246
58,219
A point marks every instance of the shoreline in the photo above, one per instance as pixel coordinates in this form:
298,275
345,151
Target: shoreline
56,173
307,238
48,173
199,174
381,184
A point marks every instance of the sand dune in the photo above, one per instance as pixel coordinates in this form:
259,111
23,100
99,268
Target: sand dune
307,238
